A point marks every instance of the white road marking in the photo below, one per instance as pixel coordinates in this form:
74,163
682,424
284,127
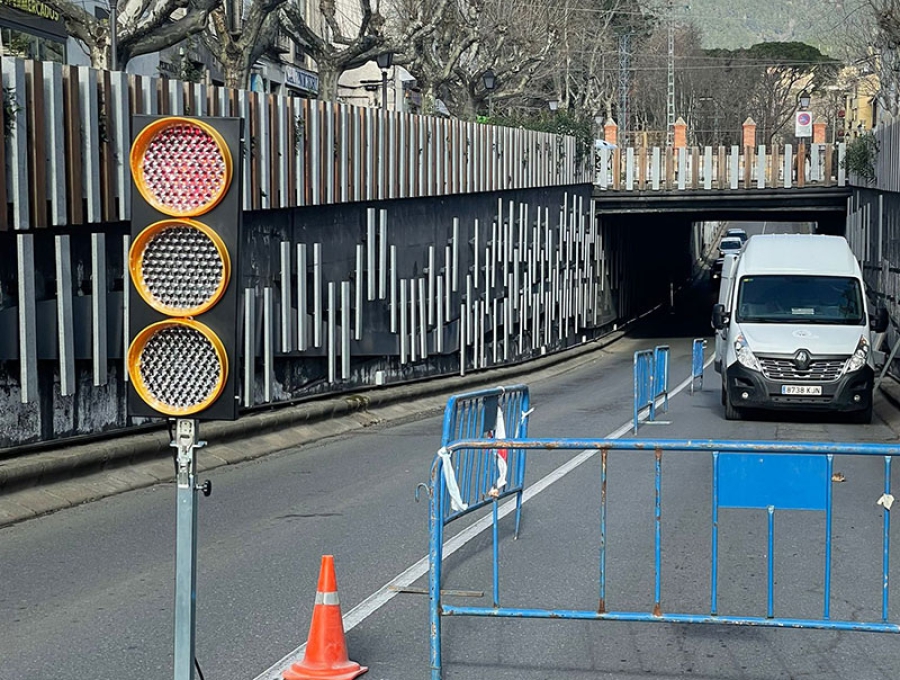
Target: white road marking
385,594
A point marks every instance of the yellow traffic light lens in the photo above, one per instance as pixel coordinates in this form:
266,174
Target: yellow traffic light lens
179,267
178,367
182,167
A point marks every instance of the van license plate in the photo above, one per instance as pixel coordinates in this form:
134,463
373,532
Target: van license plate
802,390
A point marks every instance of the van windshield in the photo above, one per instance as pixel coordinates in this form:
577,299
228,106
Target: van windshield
800,299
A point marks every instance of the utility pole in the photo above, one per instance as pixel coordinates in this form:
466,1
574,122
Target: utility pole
113,35
670,92
624,83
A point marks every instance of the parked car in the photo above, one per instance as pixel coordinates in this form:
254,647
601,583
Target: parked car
794,330
730,244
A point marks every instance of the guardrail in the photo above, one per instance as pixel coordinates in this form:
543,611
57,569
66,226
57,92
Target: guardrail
746,475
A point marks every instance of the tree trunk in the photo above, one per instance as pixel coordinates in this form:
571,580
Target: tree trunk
329,75
236,73
429,99
468,107
100,53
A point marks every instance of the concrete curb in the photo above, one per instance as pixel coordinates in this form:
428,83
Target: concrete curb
79,460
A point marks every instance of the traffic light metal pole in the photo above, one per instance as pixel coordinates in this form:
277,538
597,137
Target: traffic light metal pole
186,441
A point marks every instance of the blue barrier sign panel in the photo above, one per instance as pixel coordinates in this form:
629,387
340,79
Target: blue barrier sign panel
783,481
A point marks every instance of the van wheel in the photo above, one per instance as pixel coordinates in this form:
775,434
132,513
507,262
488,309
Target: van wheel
863,417
724,397
731,413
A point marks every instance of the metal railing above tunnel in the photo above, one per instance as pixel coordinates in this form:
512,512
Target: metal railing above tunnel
719,168
762,475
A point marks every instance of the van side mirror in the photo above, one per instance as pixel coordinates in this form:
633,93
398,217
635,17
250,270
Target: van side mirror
880,320
719,317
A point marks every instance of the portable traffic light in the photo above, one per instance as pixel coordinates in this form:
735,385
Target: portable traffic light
185,229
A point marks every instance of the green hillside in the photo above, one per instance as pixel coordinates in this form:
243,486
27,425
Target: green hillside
741,23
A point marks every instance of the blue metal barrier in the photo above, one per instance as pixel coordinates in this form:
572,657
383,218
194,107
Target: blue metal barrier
476,415
697,362
746,475
470,478
644,370
661,375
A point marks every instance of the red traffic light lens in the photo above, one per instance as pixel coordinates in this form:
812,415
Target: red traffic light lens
181,167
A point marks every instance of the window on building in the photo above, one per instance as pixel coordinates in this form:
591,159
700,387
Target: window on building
27,46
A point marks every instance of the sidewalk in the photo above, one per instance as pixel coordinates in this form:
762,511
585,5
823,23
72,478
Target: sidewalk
889,407
54,479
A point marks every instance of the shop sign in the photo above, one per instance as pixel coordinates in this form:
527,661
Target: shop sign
32,16
301,79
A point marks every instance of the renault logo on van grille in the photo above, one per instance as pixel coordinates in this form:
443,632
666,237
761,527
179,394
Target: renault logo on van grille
801,359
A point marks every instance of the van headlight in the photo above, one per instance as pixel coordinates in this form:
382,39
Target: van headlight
745,356
860,356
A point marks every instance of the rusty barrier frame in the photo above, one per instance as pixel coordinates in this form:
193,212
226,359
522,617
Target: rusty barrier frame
746,474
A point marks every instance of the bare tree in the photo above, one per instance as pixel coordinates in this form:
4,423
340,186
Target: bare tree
464,39
513,41
238,42
585,70
341,45
432,56
881,52
761,82
142,26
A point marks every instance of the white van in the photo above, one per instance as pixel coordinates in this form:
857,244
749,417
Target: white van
793,328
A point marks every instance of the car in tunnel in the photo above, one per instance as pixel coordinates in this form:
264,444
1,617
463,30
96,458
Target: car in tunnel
737,233
794,330
730,244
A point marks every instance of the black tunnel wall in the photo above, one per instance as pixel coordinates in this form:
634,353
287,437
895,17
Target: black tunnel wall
560,278
656,251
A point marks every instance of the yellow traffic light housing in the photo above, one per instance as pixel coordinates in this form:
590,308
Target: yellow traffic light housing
186,216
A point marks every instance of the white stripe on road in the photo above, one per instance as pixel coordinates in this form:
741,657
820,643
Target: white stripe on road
389,591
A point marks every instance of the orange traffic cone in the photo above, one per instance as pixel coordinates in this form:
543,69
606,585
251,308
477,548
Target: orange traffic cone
326,652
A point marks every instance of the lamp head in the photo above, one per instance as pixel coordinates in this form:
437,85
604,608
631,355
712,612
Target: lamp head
490,80
385,60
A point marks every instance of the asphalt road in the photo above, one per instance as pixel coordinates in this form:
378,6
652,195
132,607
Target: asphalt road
87,593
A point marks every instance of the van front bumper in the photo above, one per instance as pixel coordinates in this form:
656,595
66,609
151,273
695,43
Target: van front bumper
751,389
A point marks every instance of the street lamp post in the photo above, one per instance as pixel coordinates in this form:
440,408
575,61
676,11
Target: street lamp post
385,59
490,84
804,119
